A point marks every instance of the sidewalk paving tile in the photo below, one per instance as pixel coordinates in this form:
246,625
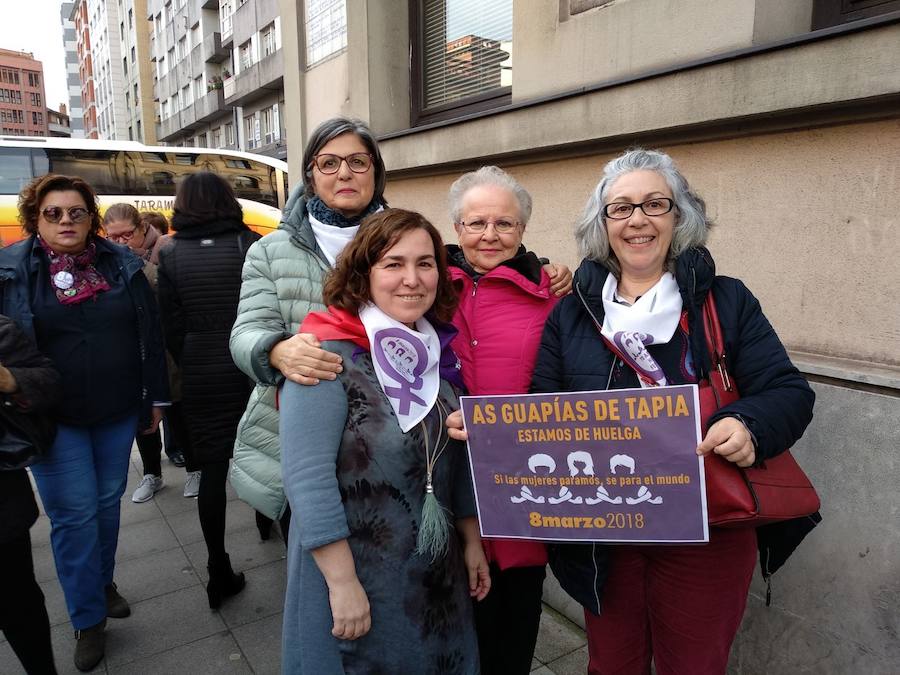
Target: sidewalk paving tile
261,642
213,655
160,624
142,539
155,574
557,637
246,549
575,663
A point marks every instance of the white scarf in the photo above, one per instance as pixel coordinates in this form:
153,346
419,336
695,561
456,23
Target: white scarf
651,320
332,239
405,357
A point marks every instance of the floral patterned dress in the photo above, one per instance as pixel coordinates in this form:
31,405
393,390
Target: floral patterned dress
350,472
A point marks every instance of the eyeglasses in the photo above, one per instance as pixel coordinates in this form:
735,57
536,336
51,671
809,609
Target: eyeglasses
357,162
77,214
652,207
500,226
123,236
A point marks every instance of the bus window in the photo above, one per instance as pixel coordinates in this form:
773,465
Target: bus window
236,163
97,167
15,170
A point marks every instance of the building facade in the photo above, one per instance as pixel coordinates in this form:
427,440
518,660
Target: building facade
58,122
786,118
218,74
23,107
73,82
79,17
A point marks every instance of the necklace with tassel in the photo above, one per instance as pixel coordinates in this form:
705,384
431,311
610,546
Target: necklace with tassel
434,532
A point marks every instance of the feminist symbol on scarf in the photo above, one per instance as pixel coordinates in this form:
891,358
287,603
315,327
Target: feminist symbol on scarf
632,345
403,357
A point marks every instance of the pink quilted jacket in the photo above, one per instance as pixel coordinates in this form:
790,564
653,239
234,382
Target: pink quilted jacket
500,319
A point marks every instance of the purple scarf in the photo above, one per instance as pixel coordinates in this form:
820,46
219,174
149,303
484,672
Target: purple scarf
74,276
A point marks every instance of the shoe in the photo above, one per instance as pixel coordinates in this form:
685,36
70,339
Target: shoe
116,606
192,484
177,458
223,583
90,646
149,486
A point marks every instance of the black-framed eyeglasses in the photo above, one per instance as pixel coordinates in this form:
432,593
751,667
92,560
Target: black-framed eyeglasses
652,207
500,226
77,214
357,162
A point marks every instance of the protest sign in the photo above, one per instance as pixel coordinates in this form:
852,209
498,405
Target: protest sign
606,466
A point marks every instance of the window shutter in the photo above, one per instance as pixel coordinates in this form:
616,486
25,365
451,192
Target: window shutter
466,49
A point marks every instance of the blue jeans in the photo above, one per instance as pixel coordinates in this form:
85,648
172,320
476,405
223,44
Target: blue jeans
81,481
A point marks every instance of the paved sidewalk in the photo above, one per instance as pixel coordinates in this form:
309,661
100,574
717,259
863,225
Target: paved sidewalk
161,570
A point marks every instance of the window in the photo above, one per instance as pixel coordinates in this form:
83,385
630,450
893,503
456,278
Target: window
132,55
198,87
35,98
326,29
229,133
130,19
196,37
15,168
270,124
462,57
136,99
127,101
200,141
835,12
130,134
182,48
251,131
176,103
246,54
157,23
172,60
216,140
122,32
268,40
186,95
140,134
125,64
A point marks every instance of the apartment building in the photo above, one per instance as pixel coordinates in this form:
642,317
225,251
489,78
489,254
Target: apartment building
110,69
786,118
79,17
58,122
73,82
257,86
23,108
218,74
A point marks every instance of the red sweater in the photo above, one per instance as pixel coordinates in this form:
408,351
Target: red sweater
500,320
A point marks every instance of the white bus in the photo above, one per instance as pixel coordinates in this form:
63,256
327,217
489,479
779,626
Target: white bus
142,175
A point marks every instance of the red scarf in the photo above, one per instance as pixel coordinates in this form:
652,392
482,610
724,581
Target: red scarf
74,276
336,324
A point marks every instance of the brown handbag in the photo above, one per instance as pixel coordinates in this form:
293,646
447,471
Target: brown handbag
777,489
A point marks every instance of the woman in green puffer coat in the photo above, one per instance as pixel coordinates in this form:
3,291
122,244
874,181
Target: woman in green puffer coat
344,179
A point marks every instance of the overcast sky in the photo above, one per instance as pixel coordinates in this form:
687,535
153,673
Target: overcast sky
34,26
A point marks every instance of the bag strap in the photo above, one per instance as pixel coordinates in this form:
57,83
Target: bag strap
715,343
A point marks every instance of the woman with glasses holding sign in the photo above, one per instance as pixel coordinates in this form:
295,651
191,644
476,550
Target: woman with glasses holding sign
384,551
90,309
635,320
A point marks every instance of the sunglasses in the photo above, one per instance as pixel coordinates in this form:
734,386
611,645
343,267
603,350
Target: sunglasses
77,214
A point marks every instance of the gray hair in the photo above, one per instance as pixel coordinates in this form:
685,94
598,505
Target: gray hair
329,130
691,222
488,175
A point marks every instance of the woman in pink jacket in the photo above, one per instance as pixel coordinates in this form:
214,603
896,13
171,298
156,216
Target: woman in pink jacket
504,299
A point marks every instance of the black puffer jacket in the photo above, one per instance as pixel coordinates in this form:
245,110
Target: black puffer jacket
39,387
776,401
199,288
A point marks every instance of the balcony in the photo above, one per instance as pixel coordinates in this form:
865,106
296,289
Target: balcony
170,128
256,80
213,50
210,106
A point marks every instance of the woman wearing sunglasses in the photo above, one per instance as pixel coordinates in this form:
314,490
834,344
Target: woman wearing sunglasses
89,307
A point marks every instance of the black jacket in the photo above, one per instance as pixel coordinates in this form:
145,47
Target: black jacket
39,386
19,270
776,401
199,289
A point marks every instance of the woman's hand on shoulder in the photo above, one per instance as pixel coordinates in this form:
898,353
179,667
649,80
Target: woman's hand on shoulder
560,279
730,439
301,360
349,609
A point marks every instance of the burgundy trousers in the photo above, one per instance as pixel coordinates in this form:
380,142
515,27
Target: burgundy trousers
680,606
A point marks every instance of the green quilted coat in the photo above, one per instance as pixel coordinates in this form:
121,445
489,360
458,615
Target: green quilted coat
282,283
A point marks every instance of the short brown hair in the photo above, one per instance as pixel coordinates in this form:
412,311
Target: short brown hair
156,220
31,197
347,285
